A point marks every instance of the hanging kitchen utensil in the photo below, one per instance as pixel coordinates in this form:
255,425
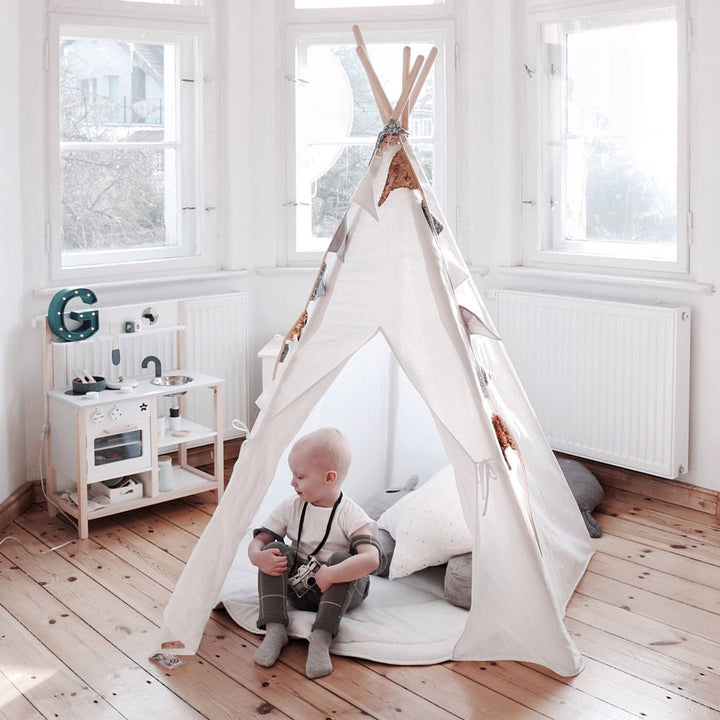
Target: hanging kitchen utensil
115,332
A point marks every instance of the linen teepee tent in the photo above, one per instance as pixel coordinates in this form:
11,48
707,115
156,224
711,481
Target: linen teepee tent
394,280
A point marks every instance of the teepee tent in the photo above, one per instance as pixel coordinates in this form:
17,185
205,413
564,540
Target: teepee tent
397,349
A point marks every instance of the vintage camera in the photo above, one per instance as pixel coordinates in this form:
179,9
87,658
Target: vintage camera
304,578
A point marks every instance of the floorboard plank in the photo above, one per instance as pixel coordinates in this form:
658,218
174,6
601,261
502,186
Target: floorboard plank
652,557
652,605
694,549
708,532
189,517
684,591
652,503
462,694
368,690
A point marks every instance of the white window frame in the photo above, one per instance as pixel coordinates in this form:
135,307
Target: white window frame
426,24
536,250
193,29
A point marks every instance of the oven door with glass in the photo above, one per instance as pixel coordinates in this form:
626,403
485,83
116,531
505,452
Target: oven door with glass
118,440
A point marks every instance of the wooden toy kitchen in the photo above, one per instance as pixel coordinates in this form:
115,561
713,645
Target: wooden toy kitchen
110,445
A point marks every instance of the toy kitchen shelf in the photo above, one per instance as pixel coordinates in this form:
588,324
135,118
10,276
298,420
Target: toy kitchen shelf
117,435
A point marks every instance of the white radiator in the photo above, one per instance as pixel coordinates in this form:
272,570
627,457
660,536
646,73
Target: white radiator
216,344
609,381
207,334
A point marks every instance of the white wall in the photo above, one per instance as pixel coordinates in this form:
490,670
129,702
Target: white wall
488,176
12,436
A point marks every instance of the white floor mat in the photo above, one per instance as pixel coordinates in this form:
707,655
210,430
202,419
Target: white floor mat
402,622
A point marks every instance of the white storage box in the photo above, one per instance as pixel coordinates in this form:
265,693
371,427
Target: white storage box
120,489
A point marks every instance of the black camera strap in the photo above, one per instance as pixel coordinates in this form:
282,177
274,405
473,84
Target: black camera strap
327,529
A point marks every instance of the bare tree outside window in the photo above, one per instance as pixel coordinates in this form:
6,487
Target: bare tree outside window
117,169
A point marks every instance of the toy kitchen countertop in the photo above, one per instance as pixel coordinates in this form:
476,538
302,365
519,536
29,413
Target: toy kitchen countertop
144,388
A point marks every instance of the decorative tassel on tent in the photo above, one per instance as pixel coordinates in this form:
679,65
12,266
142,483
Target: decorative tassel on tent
484,377
504,436
431,219
338,244
319,288
474,325
392,127
294,334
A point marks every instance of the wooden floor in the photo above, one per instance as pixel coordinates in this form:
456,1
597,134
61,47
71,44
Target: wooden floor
75,626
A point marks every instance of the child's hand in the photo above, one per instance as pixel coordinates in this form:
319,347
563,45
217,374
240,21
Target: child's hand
323,578
271,562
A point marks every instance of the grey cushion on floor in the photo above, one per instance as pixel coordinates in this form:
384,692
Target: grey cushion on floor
458,580
586,490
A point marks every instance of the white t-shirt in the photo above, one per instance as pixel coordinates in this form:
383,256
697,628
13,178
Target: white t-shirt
349,518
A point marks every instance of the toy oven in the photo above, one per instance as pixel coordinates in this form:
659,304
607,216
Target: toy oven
116,441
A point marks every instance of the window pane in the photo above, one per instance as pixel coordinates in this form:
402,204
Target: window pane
614,165
115,91
114,199
337,126
121,155
619,191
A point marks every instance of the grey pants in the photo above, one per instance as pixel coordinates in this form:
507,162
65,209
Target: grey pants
331,606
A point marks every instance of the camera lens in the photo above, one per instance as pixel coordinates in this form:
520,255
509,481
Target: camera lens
311,582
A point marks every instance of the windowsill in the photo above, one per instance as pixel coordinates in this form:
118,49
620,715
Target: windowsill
678,285
148,280
478,270
269,271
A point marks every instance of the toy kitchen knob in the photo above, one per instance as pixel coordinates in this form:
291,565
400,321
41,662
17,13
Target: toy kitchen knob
98,416
115,413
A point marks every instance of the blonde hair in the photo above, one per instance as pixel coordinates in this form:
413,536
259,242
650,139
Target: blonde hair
330,448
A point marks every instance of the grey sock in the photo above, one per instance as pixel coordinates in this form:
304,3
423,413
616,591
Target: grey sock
318,659
274,641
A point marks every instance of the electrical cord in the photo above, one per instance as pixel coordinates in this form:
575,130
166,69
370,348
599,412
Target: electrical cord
43,435
31,552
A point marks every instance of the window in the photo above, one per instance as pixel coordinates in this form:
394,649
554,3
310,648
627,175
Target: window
126,177
337,123
611,184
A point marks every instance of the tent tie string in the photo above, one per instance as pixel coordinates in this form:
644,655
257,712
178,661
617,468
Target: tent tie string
485,473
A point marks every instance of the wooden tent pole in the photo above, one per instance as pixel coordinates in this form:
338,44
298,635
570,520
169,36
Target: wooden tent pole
421,79
381,100
407,88
405,118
